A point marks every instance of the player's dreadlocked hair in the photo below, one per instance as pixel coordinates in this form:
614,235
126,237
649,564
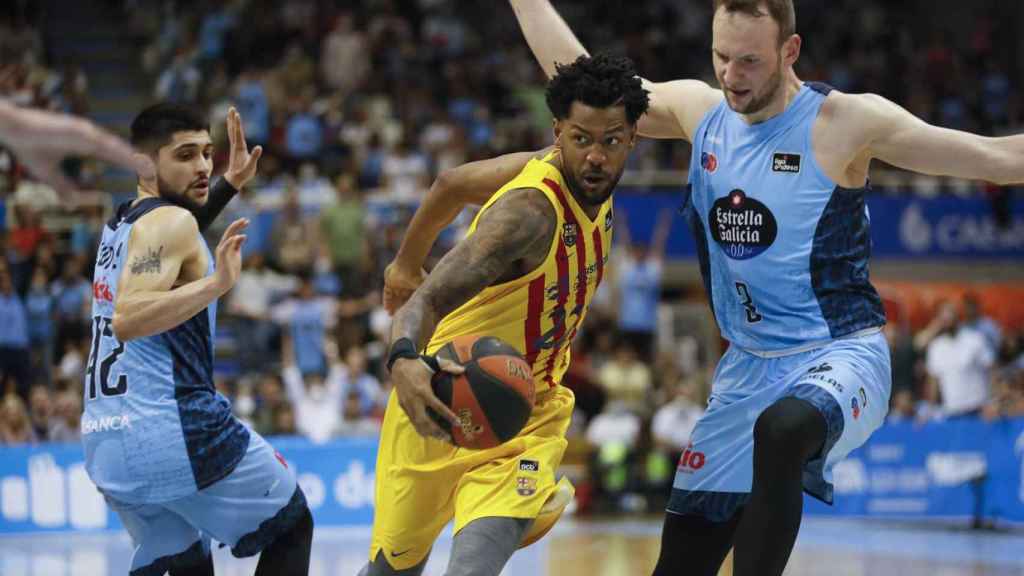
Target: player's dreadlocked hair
599,81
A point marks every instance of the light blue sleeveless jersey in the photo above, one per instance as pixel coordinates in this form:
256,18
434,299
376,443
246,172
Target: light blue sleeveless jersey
783,249
154,428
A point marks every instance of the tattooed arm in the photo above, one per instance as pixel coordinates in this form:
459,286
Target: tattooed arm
472,183
164,248
519,226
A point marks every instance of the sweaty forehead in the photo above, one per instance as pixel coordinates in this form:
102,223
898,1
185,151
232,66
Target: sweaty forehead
735,34
597,119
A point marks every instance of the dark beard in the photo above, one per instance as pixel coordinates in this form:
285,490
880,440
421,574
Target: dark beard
178,198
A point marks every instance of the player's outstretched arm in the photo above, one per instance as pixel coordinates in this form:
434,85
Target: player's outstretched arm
471,183
518,226
42,139
676,107
894,135
161,243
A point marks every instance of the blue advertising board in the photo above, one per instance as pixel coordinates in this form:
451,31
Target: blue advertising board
45,488
950,469
904,471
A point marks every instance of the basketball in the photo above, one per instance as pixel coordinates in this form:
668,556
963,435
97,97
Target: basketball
493,398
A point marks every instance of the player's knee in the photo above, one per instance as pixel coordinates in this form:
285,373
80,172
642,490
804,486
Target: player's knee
790,426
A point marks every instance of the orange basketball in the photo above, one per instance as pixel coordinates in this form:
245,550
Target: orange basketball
493,398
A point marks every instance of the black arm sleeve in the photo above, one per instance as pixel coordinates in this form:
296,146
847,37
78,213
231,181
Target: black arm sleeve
220,194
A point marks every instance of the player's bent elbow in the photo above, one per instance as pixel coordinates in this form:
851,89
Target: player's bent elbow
122,329
444,183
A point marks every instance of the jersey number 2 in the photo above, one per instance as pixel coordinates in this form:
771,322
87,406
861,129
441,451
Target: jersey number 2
101,329
753,316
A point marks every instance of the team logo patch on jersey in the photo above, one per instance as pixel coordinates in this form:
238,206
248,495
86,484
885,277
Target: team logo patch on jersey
709,162
742,226
526,486
782,162
569,234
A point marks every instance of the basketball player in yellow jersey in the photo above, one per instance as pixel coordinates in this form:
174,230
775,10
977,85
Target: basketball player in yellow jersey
526,273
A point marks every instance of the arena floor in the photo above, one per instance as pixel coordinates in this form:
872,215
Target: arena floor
591,548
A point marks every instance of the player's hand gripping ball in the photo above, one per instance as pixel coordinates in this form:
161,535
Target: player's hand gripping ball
493,398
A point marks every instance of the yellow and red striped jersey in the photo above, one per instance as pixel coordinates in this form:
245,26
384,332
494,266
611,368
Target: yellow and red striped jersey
539,313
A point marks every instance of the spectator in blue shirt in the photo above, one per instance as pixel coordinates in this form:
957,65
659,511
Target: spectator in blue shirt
639,282
363,384
41,325
303,135
371,169
306,318
251,101
14,357
212,31
72,295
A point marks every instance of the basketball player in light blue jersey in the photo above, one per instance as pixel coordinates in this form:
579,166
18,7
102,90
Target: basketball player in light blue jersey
160,443
776,202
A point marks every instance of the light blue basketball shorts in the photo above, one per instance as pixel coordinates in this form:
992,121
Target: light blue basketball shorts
246,510
848,380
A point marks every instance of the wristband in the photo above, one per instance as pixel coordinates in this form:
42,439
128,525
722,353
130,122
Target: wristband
402,348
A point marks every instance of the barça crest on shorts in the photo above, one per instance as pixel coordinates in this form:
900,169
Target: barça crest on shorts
526,486
569,234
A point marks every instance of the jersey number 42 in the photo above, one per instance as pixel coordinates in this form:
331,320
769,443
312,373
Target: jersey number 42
101,331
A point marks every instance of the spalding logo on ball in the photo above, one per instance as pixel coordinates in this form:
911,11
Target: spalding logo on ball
493,398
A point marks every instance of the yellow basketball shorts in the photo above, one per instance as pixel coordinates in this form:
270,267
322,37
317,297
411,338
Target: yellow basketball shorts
422,483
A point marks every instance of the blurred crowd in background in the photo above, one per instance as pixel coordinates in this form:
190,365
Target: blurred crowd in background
359,109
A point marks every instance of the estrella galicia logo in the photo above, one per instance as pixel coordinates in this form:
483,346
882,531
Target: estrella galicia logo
742,226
